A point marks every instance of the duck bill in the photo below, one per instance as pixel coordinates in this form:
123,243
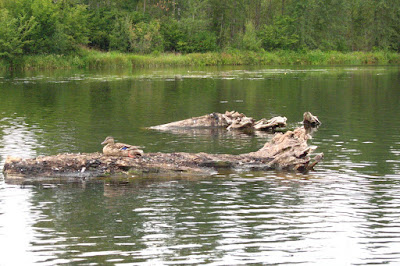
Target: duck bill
103,143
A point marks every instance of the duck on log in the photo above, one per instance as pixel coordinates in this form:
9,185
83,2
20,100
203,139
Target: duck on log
288,151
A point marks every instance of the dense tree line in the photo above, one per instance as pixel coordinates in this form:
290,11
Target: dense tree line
185,26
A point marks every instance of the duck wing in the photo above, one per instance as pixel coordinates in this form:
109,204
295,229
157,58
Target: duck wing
123,146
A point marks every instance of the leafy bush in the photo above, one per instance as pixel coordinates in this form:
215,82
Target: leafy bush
101,28
250,40
187,36
14,34
120,34
59,27
203,41
280,35
172,34
74,21
145,38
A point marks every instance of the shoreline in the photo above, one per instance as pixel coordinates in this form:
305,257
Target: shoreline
92,59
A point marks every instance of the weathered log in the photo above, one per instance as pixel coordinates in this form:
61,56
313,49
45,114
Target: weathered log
287,151
270,124
310,120
206,121
228,120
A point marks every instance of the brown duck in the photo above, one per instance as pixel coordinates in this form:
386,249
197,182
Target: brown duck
120,149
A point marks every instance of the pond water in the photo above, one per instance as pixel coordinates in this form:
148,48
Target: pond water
347,212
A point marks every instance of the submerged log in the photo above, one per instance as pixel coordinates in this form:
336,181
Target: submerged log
205,121
287,151
272,123
228,120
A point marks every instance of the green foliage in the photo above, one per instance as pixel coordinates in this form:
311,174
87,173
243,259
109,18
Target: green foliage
14,36
228,19
141,37
196,36
280,35
101,23
45,14
250,39
70,30
188,36
74,21
145,38
63,27
59,27
198,42
172,34
120,34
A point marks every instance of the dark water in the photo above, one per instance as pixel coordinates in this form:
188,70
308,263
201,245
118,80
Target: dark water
347,212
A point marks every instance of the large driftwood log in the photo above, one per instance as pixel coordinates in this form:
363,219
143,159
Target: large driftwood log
228,120
287,151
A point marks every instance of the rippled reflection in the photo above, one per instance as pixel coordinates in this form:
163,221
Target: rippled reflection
219,221
16,232
17,138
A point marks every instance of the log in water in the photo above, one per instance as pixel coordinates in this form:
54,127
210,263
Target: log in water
229,120
288,151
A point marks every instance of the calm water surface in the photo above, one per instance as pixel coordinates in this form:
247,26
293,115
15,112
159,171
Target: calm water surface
347,212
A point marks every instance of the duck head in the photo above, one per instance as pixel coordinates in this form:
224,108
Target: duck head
108,140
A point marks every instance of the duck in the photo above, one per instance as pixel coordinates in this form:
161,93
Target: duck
120,149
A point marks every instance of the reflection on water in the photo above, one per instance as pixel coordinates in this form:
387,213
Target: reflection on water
229,221
16,221
346,212
17,138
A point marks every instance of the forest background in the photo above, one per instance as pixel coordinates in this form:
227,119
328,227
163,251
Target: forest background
89,32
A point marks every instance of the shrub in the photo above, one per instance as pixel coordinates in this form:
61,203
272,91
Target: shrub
120,34
14,34
250,40
49,26
280,35
145,38
201,42
172,34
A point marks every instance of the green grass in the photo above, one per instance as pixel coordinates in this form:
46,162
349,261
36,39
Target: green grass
91,59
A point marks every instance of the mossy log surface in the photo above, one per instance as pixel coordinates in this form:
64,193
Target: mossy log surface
288,151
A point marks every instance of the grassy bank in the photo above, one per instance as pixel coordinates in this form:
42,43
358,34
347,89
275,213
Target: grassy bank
90,59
